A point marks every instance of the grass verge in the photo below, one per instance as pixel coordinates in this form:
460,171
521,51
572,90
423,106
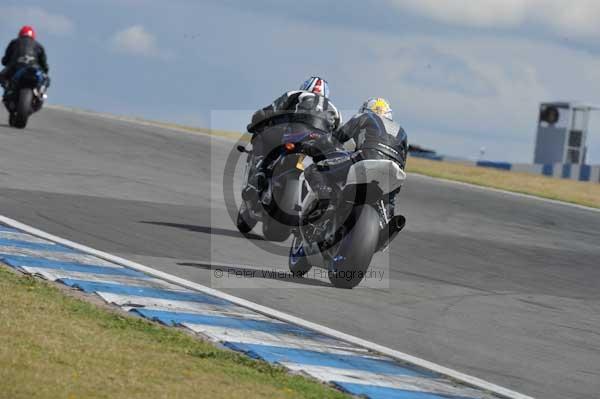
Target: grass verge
228,134
53,345
581,193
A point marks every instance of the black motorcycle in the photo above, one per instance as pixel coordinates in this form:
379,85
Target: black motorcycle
276,203
358,224
25,95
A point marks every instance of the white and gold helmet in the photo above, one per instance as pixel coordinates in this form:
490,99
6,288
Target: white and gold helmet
378,105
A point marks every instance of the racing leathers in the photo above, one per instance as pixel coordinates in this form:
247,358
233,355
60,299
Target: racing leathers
376,137
22,51
293,111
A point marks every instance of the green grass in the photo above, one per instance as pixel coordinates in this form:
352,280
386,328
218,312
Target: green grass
576,192
53,345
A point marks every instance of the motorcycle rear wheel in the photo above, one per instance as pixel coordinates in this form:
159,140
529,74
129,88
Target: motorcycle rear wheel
23,108
357,248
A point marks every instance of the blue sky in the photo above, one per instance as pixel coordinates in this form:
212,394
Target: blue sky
460,74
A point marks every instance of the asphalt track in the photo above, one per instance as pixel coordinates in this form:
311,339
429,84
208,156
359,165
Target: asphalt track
501,287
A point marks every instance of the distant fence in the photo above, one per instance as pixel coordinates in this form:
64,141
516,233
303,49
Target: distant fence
589,173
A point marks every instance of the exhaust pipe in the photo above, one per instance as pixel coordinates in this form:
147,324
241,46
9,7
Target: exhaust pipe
390,231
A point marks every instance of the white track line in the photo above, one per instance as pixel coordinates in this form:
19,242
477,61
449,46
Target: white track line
404,357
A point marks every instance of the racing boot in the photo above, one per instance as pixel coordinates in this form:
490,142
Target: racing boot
257,183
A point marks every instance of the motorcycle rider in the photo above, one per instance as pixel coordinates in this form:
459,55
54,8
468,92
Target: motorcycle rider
376,136
306,108
23,51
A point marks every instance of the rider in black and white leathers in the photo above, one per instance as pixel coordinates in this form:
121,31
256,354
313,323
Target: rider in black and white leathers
307,108
376,136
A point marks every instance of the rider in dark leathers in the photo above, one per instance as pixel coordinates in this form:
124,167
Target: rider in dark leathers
23,51
376,136
307,108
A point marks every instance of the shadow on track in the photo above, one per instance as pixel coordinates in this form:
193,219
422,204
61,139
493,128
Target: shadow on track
207,230
248,272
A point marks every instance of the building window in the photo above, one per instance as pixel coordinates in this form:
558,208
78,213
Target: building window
575,138
573,156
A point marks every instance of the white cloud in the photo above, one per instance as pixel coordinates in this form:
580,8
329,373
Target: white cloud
511,89
42,20
576,17
456,94
135,40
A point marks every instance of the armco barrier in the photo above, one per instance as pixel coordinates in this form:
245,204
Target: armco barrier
587,173
497,165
